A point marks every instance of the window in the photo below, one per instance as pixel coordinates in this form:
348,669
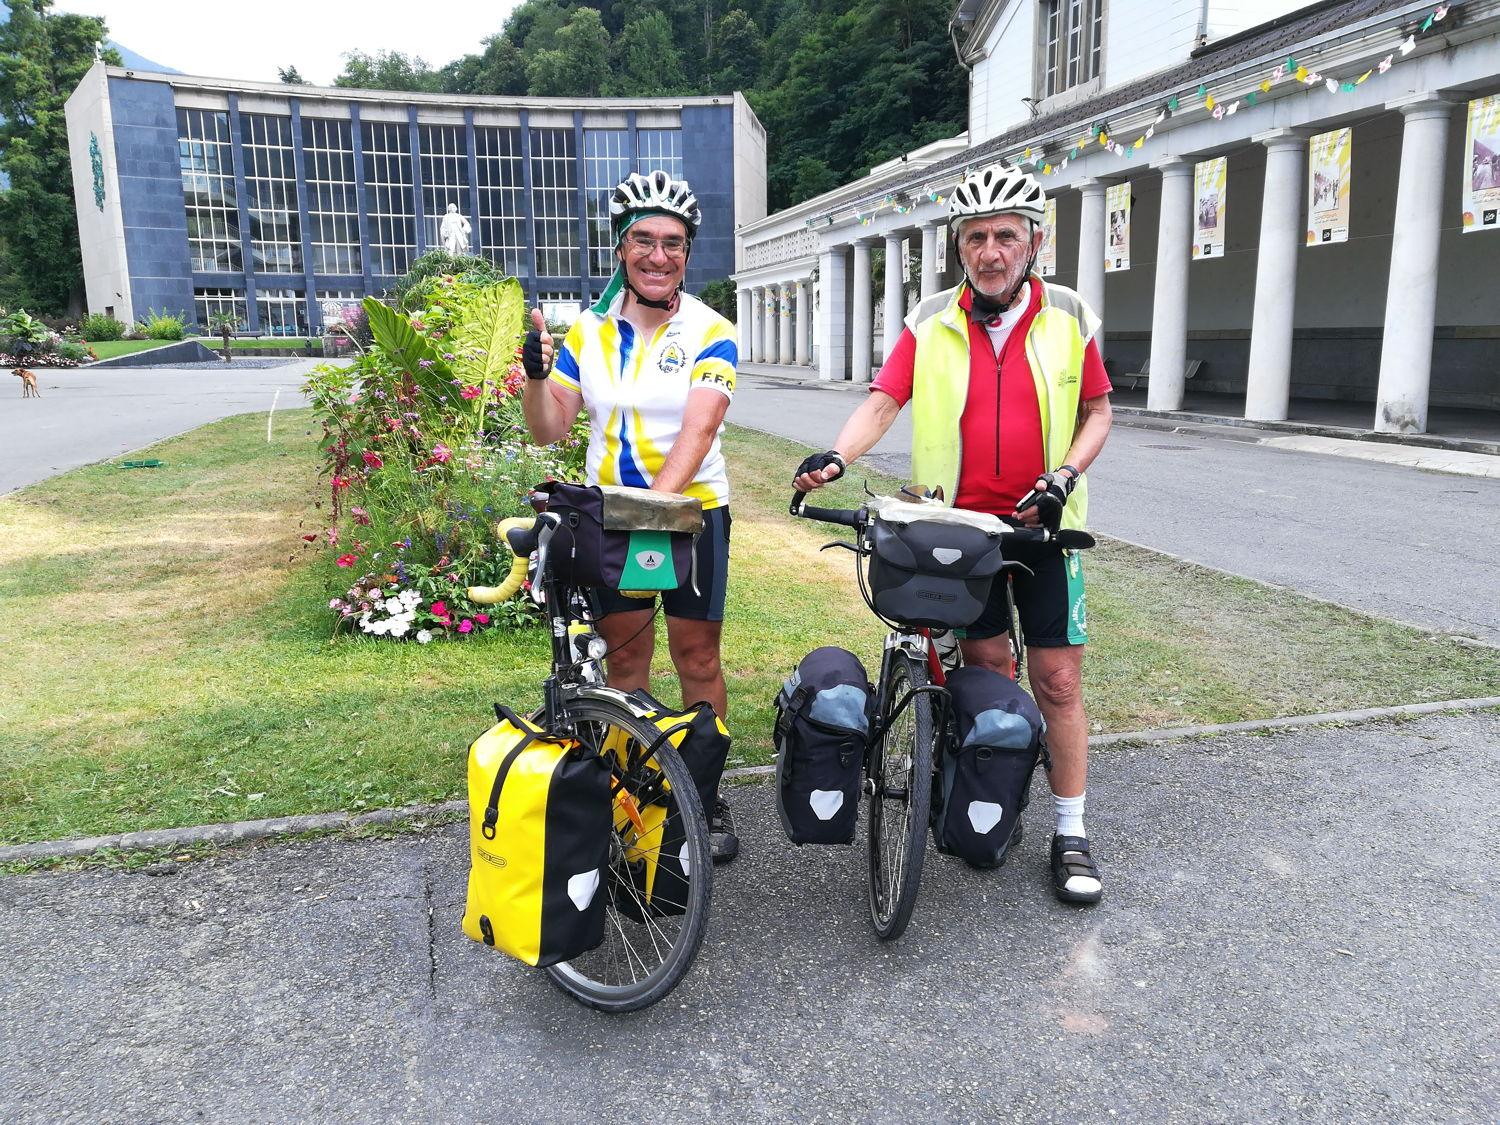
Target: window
213,216
502,212
554,200
660,148
560,308
282,312
206,302
445,178
271,193
332,196
388,193
606,161
1072,43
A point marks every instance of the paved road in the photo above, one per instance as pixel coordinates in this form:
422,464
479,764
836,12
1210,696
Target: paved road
1263,954
91,414
1390,540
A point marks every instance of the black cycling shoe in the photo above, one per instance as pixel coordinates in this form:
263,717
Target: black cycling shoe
1071,861
723,844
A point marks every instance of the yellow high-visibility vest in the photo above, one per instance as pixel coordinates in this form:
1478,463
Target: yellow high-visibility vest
1055,346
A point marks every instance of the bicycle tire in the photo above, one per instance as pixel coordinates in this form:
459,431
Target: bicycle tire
657,950
900,771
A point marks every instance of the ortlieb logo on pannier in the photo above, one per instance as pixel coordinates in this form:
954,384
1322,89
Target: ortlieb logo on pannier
932,567
539,832
987,775
822,724
623,538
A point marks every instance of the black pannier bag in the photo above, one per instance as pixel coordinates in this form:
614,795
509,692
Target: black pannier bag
932,566
822,724
623,538
986,778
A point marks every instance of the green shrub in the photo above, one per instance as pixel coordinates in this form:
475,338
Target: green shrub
721,296
162,326
71,349
410,293
99,326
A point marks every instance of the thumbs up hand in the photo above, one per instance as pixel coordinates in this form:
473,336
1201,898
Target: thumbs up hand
536,350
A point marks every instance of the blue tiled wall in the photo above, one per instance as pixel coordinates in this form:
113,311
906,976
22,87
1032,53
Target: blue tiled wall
708,163
156,247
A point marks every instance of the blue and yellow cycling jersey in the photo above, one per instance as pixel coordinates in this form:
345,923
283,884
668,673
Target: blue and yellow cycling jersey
636,390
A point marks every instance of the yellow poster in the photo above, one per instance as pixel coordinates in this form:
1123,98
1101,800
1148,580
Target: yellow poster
1046,259
1117,228
1211,192
1482,166
1328,165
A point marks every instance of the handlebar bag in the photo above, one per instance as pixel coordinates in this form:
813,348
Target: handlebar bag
657,863
932,570
822,726
539,838
986,771
623,538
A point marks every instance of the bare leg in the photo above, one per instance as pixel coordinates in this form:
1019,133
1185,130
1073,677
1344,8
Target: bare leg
631,637
1056,676
695,653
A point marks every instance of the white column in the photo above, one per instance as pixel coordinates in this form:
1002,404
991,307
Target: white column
1269,383
833,318
804,307
862,343
757,316
769,327
895,294
784,323
1411,300
742,327
931,232
1174,241
1091,249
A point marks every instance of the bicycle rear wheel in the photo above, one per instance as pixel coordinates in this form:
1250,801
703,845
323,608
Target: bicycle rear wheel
900,775
660,875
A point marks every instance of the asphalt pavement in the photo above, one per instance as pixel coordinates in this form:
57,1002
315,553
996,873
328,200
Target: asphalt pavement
1299,926
86,414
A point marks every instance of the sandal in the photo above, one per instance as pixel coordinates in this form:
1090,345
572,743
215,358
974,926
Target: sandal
1071,865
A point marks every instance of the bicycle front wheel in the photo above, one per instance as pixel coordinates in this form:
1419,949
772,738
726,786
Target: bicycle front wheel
900,776
660,873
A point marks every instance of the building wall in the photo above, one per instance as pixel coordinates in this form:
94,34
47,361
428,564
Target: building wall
101,228
1006,74
709,163
1142,37
749,167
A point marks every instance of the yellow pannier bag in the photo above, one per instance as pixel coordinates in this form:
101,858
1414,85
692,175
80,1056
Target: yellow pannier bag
539,837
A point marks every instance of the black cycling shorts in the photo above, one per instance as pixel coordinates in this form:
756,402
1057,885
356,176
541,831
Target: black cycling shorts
1050,600
711,553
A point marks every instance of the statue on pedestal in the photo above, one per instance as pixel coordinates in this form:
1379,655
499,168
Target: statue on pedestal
455,231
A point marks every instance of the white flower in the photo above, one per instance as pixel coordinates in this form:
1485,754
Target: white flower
398,627
410,598
392,605
424,636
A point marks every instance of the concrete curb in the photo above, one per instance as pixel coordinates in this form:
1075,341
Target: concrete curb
235,832
1315,429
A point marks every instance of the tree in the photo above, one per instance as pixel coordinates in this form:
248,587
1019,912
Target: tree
291,75
499,69
735,55
576,66
647,63
386,70
43,57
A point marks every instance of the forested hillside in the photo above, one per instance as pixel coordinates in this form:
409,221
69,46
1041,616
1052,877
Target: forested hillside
839,86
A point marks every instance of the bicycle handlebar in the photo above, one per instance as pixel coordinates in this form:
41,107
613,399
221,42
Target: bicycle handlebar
1068,540
844,516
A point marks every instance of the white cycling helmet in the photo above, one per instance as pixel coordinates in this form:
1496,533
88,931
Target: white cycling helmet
996,190
653,193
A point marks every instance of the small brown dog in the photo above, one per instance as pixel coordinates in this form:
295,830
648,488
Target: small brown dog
28,383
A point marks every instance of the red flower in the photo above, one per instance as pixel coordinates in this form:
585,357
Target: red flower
346,560
373,460
482,618
440,609
471,393
340,482
310,538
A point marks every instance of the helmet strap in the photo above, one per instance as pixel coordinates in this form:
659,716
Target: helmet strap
669,305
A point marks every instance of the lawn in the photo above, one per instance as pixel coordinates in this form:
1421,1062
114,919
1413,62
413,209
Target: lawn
279,343
170,660
108,349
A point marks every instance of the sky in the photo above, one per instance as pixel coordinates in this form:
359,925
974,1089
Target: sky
258,37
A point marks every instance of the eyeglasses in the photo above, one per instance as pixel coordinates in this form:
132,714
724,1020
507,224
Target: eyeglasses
1007,239
673,246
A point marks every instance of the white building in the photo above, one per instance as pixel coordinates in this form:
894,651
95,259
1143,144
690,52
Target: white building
1396,305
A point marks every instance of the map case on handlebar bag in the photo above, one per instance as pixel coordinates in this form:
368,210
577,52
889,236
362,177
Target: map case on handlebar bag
623,538
539,838
822,724
930,566
986,775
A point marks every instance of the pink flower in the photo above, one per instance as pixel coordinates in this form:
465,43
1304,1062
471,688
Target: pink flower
466,626
393,423
482,618
471,392
340,482
361,516
424,363
440,609
441,453
373,460
346,560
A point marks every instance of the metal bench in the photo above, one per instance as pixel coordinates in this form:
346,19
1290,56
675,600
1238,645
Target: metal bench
1144,374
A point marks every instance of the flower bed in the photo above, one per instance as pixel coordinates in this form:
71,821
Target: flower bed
425,451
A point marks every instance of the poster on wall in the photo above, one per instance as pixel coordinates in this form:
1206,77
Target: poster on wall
942,249
1328,164
1211,194
905,259
1046,259
1117,228
1482,166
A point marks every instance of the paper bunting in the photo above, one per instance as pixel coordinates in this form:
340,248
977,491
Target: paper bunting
1410,45
1172,104
1385,64
1209,103
1333,87
1252,98
1202,91
1265,87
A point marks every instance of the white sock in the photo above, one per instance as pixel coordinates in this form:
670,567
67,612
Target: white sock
1070,815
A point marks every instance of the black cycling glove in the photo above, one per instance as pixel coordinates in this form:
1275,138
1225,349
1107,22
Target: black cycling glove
820,461
1050,499
531,356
